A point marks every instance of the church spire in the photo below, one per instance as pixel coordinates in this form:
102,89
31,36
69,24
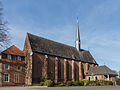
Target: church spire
77,37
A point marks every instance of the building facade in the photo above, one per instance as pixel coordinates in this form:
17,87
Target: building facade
12,67
101,73
57,61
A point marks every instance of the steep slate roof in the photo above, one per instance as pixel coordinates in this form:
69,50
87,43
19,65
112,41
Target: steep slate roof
100,70
13,50
42,45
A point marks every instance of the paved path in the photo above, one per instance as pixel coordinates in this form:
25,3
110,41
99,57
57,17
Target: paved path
61,88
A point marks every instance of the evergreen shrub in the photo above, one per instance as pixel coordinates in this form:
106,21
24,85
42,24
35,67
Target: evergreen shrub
69,83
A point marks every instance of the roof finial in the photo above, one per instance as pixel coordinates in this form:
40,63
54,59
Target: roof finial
77,37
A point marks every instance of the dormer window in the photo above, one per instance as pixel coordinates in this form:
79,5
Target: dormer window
8,56
14,57
19,58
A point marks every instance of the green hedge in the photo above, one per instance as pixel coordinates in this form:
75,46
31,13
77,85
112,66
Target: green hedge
84,82
118,81
69,83
76,83
60,84
105,83
49,83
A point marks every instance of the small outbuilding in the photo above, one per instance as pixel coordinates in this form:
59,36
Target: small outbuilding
101,73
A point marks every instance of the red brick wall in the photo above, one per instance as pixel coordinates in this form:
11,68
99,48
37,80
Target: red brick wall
28,59
16,77
38,68
51,67
77,70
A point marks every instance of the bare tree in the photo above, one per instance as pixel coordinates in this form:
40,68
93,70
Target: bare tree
4,33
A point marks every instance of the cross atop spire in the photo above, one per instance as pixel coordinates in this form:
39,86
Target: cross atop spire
77,37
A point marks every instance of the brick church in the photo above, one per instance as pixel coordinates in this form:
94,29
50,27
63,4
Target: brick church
43,58
57,61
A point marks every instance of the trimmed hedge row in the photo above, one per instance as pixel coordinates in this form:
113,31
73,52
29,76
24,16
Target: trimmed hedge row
118,81
84,82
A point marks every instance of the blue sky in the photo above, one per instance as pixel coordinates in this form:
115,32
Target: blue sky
99,22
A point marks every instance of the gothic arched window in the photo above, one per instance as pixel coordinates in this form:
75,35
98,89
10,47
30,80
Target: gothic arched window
67,70
59,70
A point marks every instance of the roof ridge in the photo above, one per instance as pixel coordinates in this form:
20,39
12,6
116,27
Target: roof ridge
52,40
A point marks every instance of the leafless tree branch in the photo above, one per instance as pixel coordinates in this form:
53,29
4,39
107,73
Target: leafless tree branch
4,33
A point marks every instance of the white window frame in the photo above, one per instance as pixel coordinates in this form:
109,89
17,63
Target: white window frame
8,77
8,66
9,56
46,56
18,58
95,78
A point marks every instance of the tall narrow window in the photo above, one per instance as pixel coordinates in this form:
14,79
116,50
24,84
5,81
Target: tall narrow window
59,70
16,78
8,56
96,78
89,78
75,72
6,67
6,77
67,70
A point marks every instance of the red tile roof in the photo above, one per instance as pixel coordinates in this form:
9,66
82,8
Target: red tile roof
13,50
12,61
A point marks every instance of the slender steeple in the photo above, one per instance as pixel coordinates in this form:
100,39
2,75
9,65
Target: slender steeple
77,37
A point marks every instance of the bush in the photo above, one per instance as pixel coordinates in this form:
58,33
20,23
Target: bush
113,83
118,81
97,83
81,83
76,83
41,83
48,83
60,84
103,82
69,83
110,83
94,83
35,84
86,82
